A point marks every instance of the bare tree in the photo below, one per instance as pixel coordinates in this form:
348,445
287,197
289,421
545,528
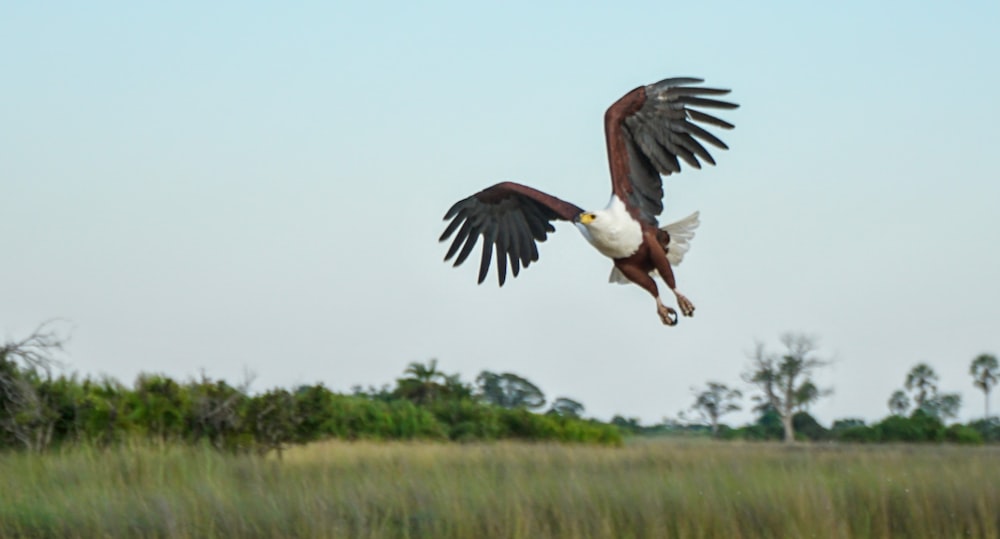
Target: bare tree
785,380
24,415
714,402
37,351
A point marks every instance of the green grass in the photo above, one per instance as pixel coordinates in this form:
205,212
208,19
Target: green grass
649,489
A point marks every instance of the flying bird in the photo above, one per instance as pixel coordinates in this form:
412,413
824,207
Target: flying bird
649,131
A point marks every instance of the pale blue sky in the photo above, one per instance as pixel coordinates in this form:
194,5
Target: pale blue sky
251,185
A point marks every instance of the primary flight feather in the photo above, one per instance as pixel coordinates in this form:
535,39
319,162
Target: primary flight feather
649,132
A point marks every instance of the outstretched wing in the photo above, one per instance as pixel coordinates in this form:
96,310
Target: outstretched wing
650,130
510,217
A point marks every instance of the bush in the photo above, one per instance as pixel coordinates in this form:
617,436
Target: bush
520,423
66,410
963,434
354,417
847,423
989,429
466,420
919,427
857,434
578,430
806,426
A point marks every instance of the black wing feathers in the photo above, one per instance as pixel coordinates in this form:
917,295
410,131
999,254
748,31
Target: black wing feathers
510,218
663,132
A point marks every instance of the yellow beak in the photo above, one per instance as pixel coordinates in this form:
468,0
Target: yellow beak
586,218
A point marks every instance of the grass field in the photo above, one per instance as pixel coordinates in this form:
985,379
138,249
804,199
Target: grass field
651,489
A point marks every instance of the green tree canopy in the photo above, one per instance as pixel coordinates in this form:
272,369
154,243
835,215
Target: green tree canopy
715,401
566,407
509,390
942,405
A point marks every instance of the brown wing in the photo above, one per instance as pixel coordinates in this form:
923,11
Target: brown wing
510,217
650,130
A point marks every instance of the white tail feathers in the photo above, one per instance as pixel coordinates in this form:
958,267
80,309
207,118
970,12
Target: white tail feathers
681,234
617,277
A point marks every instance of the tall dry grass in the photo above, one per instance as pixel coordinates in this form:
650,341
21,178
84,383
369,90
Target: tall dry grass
651,489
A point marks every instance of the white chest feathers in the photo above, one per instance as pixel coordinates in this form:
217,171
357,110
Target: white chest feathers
612,231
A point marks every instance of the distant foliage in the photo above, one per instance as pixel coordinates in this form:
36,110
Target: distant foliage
919,427
989,429
847,423
715,401
509,390
566,407
39,410
769,426
963,434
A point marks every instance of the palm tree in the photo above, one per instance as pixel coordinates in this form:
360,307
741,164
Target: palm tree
921,379
899,403
423,384
985,371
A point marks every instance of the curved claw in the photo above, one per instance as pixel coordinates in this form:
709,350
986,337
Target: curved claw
667,315
687,308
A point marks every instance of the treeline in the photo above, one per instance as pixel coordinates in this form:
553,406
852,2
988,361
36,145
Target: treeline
784,389
920,426
40,411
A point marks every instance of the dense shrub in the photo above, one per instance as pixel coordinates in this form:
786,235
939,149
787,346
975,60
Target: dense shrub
857,434
467,419
806,427
590,431
989,429
963,434
846,423
520,423
354,417
58,410
919,427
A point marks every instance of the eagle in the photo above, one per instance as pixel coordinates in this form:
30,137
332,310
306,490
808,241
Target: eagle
649,131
